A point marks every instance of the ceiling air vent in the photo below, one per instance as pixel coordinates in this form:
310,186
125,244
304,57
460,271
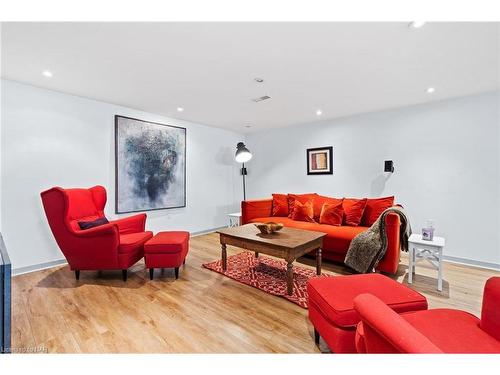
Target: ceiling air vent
262,98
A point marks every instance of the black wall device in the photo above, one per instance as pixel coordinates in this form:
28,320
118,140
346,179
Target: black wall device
388,166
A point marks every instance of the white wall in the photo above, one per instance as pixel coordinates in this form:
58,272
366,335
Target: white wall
53,139
446,166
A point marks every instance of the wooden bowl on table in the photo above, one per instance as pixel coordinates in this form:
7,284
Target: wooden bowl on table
269,228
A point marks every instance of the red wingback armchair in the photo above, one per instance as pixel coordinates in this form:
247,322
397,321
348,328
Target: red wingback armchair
114,246
429,331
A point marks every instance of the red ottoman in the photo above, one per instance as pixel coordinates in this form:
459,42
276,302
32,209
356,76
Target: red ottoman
166,250
331,307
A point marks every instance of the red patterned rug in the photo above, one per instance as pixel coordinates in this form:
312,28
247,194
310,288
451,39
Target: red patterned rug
266,274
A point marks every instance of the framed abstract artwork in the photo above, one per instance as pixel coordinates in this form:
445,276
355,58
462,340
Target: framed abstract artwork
320,160
150,165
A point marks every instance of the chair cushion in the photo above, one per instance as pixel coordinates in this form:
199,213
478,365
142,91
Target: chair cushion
453,331
334,296
167,242
92,223
131,242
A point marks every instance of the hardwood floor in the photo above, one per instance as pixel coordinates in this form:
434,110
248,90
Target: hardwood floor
201,312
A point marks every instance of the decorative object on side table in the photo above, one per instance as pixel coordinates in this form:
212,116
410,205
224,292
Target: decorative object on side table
320,160
242,156
269,227
150,165
432,251
428,231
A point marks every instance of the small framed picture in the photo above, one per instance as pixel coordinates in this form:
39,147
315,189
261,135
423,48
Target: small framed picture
320,160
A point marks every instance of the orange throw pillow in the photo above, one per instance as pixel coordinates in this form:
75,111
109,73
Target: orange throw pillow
280,205
374,208
319,201
353,211
303,212
332,214
302,198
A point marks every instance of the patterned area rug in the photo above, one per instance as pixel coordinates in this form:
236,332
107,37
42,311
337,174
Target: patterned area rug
266,274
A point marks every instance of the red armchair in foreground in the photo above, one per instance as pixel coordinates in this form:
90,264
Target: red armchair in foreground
114,246
430,331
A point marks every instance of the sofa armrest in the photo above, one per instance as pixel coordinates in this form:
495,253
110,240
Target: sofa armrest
490,312
255,208
131,224
390,262
385,331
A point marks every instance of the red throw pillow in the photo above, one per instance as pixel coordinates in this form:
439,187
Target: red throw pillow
353,211
303,212
280,205
302,198
319,201
374,208
332,214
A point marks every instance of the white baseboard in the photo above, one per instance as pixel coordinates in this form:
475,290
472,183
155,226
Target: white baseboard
55,263
38,267
471,262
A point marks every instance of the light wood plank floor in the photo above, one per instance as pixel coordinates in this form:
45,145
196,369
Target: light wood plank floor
202,311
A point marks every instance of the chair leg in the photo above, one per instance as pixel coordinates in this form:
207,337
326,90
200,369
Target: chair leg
151,272
124,275
176,272
77,274
316,336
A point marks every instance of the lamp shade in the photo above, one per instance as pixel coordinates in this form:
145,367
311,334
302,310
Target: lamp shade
242,153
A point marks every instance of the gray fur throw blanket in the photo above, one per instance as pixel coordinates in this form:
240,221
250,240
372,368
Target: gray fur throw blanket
369,247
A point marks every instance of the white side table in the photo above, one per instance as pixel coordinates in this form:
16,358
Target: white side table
432,251
234,219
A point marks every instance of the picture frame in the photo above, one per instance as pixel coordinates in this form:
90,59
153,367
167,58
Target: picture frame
319,160
150,165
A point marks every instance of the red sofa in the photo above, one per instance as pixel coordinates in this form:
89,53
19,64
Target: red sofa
337,239
381,330
114,246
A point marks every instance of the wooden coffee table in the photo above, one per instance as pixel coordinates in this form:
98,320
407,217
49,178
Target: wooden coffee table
288,243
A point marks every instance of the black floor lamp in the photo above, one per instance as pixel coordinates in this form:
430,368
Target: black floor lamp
242,156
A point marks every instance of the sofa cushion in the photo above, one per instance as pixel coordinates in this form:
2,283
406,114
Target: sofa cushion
353,211
332,214
133,241
374,208
337,239
302,198
280,205
319,201
303,212
453,331
334,296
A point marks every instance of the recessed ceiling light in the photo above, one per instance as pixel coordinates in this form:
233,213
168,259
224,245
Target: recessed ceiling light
47,73
319,112
259,80
430,90
180,109
416,24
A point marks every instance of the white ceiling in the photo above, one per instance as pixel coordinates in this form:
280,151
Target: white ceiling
209,68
